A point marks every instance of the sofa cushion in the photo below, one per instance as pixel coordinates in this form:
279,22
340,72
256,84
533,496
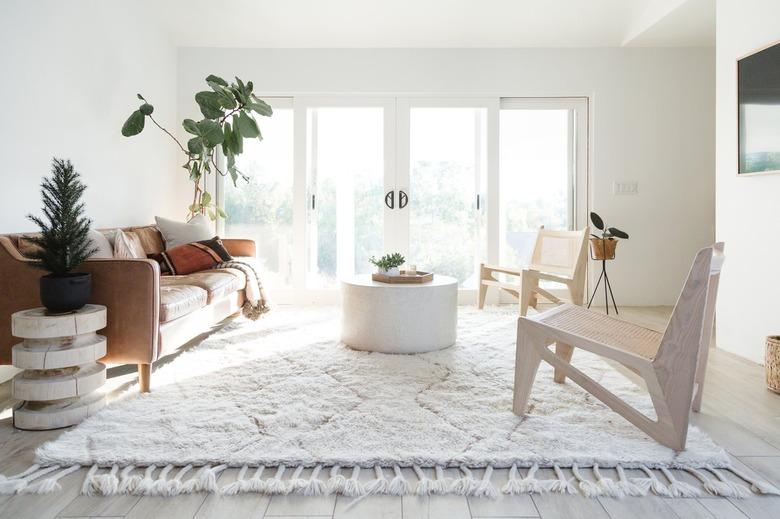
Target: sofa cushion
179,233
192,257
127,245
150,238
217,283
177,300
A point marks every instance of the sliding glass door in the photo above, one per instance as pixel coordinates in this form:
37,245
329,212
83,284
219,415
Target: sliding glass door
443,171
346,180
448,182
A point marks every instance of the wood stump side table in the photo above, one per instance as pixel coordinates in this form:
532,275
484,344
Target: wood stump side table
59,354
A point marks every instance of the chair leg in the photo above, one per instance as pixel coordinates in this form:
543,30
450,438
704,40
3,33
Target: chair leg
527,296
527,361
565,352
577,294
483,275
145,377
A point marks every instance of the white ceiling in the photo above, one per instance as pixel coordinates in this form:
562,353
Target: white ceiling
435,23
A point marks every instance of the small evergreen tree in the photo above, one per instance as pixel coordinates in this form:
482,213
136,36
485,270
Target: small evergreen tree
64,240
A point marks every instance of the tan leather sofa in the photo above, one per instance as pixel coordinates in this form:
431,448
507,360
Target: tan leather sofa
149,316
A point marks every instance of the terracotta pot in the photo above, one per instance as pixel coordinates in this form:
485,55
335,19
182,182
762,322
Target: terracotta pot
603,249
772,363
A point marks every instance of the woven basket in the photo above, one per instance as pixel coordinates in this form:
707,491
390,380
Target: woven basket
603,249
772,363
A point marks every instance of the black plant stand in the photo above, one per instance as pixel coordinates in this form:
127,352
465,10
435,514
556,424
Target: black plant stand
607,287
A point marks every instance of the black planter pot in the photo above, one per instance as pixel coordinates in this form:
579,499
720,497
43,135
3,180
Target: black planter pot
66,293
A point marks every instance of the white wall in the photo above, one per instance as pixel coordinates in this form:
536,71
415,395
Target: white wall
70,72
653,122
747,207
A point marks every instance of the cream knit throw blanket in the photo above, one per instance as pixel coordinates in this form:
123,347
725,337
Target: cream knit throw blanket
256,303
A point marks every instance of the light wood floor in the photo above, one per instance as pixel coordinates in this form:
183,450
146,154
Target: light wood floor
738,412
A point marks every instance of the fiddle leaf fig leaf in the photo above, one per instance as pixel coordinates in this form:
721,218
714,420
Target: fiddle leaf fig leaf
261,107
195,145
216,79
211,132
134,124
146,109
209,104
190,126
195,172
247,125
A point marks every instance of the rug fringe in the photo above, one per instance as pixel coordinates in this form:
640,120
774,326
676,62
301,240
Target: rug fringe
115,480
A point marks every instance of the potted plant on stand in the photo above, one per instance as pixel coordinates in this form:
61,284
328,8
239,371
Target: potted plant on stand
64,241
603,247
388,264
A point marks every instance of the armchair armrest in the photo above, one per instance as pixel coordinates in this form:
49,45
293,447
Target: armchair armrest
503,270
240,247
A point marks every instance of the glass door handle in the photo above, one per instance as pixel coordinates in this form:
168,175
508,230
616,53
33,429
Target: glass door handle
390,199
477,202
403,199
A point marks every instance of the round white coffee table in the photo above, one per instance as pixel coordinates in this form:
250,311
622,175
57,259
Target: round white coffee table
399,318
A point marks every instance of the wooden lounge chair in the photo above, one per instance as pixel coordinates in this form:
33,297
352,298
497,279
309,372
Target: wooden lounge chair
560,256
672,364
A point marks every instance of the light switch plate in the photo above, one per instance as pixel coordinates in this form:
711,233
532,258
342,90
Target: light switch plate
625,188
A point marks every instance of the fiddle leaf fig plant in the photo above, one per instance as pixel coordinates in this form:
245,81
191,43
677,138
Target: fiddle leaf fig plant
607,233
228,111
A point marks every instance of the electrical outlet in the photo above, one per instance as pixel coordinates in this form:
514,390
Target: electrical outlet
625,188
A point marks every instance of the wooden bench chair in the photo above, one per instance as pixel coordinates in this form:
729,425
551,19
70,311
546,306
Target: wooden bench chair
672,364
560,256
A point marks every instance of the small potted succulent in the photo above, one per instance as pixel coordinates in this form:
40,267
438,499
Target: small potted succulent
603,246
64,241
388,264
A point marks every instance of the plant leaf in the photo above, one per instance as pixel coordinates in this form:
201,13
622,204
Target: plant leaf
195,145
247,125
141,97
209,104
228,131
261,107
216,79
190,126
146,109
597,221
195,171
618,233
134,124
211,132
226,98
205,199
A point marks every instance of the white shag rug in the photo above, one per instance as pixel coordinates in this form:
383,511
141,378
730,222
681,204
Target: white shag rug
283,394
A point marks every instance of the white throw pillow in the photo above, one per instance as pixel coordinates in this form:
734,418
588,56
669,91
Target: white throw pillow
100,242
180,233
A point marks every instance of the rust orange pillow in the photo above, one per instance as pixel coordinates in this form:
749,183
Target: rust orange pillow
192,257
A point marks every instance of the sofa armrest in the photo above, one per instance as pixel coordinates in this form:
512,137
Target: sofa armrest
240,247
130,289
